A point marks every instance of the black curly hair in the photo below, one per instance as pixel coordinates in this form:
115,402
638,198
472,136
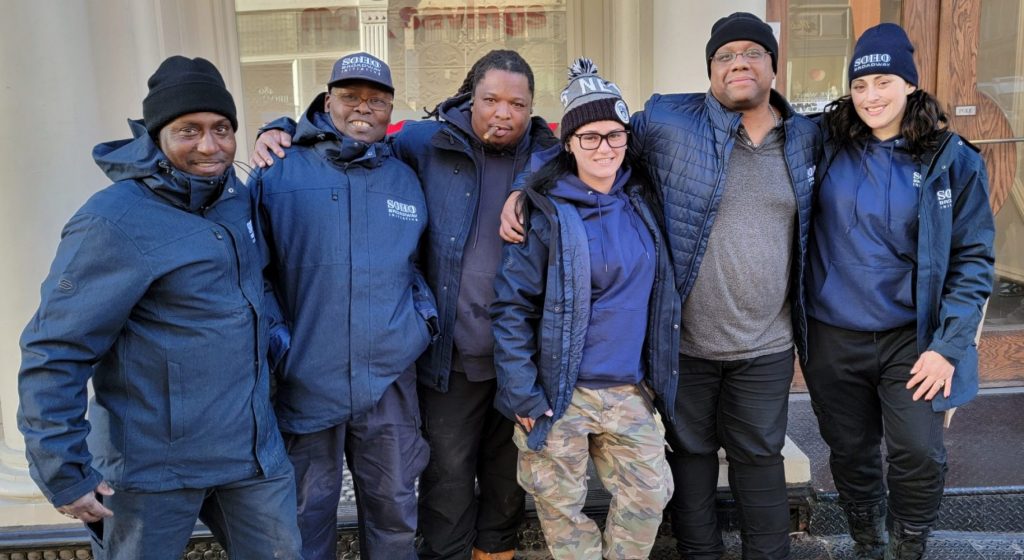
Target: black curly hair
921,127
497,59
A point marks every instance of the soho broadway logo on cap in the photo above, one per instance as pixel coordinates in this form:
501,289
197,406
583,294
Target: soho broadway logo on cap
877,60
360,63
402,211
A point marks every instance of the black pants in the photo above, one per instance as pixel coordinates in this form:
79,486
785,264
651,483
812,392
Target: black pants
385,452
857,382
470,446
740,405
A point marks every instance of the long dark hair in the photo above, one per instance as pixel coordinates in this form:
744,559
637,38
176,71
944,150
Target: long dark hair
543,180
509,61
921,128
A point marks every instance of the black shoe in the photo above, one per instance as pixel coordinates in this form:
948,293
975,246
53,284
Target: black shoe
906,542
867,528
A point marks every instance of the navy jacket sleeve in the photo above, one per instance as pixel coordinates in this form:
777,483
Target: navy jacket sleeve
94,282
968,282
515,314
278,330
286,124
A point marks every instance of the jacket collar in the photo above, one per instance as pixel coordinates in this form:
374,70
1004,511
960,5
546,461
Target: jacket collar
458,134
726,121
140,159
315,129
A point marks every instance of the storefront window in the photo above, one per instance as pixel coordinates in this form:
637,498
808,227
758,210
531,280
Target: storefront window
289,46
820,38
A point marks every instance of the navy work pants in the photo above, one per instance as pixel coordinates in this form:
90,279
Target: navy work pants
385,452
857,381
739,405
253,518
469,496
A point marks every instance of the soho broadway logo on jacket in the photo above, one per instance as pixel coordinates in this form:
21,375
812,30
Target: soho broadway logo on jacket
402,211
945,199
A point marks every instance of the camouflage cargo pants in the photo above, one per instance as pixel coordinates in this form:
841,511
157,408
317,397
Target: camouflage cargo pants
615,427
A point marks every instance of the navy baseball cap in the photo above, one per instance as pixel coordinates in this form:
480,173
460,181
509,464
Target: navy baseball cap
362,66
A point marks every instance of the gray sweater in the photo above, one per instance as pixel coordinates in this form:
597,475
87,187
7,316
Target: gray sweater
739,305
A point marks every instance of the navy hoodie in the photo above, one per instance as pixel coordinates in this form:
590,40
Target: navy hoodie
481,257
622,261
863,246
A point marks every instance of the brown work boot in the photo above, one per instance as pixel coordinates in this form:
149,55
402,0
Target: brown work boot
481,555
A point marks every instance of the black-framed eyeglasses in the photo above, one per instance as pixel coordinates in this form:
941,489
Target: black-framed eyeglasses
350,99
592,140
751,55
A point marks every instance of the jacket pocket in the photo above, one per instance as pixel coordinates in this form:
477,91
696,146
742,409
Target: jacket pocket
867,290
176,397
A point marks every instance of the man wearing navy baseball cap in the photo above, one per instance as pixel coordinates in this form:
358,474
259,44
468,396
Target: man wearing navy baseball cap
343,218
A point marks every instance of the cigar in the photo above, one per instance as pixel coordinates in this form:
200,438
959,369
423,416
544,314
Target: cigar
490,131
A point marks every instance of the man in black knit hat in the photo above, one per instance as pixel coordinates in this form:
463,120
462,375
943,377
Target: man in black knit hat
156,296
737,211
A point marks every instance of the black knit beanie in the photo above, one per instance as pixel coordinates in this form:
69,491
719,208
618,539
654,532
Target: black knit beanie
884,49
181,86
742,26
589,98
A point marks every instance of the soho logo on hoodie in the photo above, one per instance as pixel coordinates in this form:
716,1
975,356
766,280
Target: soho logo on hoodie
402,211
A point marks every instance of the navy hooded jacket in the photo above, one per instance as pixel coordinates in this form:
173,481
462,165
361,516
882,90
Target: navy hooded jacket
955,260
542,313
156,294
343,220
685,140
447,160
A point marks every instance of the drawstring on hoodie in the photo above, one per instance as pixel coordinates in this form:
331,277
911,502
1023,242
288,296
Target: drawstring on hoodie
634,221
483,173
600,219
863,172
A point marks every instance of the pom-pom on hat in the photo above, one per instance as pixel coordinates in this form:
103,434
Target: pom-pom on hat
884,49
589,98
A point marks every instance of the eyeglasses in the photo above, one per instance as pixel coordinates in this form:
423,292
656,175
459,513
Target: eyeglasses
592,140
352,100
751,55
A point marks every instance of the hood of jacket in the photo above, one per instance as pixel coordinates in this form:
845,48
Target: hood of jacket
457,111
139,158
315,128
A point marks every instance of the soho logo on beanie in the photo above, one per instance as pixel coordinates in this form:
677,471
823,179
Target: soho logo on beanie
884,49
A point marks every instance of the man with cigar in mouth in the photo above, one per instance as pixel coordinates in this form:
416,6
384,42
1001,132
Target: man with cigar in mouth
466,154
343,218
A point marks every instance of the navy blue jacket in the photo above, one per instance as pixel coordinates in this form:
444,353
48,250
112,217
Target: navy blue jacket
343,220
542,312
156,293
955,260
685,140
446,159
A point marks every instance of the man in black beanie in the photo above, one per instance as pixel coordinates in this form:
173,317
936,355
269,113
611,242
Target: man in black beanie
737,210
156,296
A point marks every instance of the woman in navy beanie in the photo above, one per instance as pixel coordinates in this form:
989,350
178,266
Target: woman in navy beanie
900,265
